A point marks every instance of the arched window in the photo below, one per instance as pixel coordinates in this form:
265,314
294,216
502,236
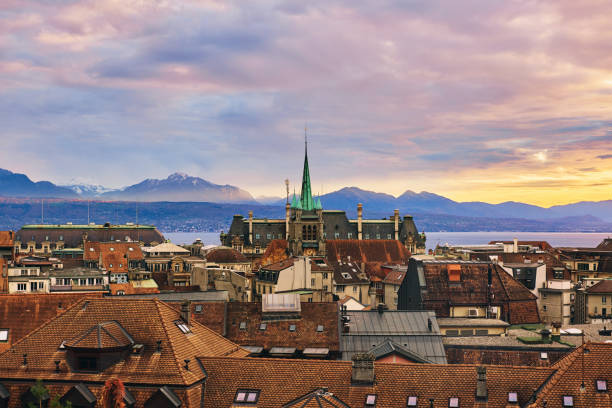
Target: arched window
309,232
303,233
314,232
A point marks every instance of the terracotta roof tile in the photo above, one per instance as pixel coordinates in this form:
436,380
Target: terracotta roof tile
146,321
604,286
282,381
7,238
116,254
22,313
225,255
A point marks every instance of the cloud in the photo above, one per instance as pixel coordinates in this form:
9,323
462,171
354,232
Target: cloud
415,93
605,156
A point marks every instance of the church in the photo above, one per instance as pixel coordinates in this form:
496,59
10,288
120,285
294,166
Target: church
307,226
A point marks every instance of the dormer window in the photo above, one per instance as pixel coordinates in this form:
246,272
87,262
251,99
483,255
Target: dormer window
454,273
412,401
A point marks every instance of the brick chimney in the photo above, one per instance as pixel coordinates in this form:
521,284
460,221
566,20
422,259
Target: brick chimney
186,312
363,368
481,383
359,220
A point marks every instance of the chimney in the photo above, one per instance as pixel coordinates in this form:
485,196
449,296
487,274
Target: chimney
481,384
359,219
363,368
251,227
186,312
57,366
515,246
381,308
396,220
429,324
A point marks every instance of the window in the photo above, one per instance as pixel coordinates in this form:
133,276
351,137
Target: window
377,236
604,299
453,402
263,326
110,265
24,272
412,401
544,355
325,288
354,289
568,401
111,249
325,275
512,396
268,236
370,400
181,325
242,325
558,273
544,307
91,249
320,328
256,236
4,335
388,236
367,236
292,327
87,363
349,235
601,385
482,332
21,286
603,311
312,282
583,266
336,235
452,332
544,295
467,332
121,265
247,396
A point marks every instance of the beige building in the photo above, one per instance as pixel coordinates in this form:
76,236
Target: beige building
556,301
458,326
296,275
27,279
237,285
599,302
350,280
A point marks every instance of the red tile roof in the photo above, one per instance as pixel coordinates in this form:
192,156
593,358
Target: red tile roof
129,289
395,277
604,286
282,381
596,358
146,321
276,251
23,313
7,238
225,255
116,254
548,259
373,254
518,303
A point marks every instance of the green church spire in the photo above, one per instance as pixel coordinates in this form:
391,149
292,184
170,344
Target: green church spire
306,200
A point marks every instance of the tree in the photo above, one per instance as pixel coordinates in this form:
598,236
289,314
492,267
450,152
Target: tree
113,394
39,392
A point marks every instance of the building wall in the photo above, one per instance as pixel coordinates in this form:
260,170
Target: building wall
297,276
555,306
391,297
599,303
357,291
394,358
464,311
491,330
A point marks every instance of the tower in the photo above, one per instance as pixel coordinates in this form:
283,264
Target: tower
306,223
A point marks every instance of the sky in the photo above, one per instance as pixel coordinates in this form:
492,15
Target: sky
474,100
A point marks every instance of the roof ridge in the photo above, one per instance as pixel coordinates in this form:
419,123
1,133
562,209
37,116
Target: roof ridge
561,367
44,324
157,303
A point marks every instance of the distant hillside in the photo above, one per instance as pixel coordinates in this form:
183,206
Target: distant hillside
19,185
180,187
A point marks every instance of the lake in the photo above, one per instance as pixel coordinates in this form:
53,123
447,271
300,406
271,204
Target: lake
556,239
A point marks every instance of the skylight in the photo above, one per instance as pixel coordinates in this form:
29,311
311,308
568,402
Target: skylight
247,396
263,326
198,308
544,355
292,327
242,325
370,400
412,401
4,334
512,397
568,401
181,325
453,402
320,328
602,385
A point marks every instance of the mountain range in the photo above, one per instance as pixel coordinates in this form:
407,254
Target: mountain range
179,187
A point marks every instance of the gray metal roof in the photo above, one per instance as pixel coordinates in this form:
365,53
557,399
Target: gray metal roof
208,296
368,329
